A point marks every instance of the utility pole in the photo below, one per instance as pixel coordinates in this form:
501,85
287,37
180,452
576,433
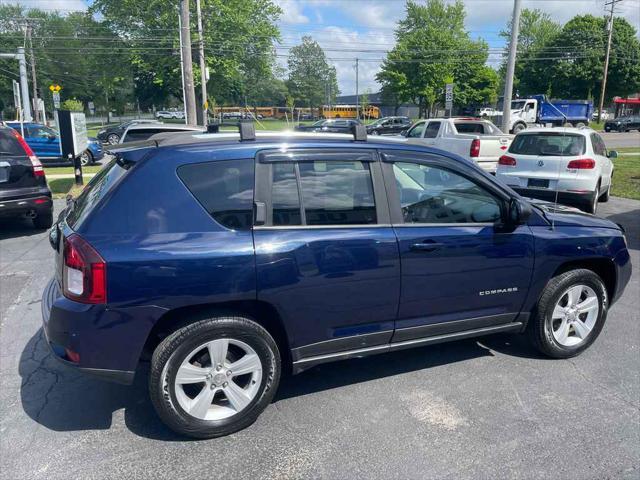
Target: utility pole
187,64
34,83
203,67
357,98
606,58
24,86
511,67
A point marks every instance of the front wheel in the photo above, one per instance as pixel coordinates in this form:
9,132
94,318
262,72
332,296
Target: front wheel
113,138
86,158
518,127
214,377
570,314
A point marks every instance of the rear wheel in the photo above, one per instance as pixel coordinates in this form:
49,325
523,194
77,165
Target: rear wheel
592,204
570,314
214,377
606,195
580,124
43,220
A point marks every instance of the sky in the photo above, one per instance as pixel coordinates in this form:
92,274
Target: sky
369,24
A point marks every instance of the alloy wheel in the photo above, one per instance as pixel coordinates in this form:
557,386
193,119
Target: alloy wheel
574,315
218,379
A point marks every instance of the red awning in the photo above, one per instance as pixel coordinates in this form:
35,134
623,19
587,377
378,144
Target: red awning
628,101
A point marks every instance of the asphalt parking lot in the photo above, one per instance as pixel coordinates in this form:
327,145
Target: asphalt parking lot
485,408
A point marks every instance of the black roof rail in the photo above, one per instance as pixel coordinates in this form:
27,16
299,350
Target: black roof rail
359,133
247,131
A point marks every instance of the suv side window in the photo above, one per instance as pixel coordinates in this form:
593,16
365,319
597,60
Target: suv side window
430,194
599,147
224,188
432,130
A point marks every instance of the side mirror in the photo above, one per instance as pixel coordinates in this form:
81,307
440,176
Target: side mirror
612,154
518,212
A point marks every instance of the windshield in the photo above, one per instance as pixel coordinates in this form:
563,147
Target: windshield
548,144
518,104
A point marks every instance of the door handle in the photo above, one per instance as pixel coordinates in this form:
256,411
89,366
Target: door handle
426,246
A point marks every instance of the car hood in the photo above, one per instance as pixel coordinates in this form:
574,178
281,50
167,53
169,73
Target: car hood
562,215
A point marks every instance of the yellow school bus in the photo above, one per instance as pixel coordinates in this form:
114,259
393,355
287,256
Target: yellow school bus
349,111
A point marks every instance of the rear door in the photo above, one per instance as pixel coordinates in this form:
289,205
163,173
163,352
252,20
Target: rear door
458,270
326,255
44,141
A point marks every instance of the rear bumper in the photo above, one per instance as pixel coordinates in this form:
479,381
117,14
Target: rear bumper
40,203
550,195
68,326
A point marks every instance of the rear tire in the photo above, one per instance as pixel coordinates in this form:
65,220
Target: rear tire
606,195
43,220
592,205
553,329
230,404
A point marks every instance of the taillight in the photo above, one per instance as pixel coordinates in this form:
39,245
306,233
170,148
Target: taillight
38,171
84,278
507,161
582,163
475,148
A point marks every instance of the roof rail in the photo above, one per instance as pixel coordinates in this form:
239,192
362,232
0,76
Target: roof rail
359,133
247,131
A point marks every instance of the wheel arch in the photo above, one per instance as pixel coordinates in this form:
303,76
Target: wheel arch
263,313
603,267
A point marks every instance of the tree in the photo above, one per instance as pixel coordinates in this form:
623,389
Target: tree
73,104
537,29
364,102
582,44
432,46
310,76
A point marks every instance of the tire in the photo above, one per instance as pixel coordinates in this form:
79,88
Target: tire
375,132
86,158
518,127
113,138
545,329
606,195
223,417
43,220
592,205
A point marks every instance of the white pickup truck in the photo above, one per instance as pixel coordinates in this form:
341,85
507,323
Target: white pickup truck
474,139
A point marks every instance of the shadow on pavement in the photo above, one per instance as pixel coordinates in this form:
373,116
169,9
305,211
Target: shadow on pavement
17,227
62,399
631,223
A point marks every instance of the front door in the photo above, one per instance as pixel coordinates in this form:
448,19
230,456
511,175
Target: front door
459,271
326,255
44,142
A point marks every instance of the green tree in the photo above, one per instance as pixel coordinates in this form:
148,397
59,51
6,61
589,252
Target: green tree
537,30
432,45
73,104
310,75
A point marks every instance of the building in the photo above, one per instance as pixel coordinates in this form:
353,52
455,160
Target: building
627,106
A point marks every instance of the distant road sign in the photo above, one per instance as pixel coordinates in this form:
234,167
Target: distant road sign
56,99
448,96
55,87
16,96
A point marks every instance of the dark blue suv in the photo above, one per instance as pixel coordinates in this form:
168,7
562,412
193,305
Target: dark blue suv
228,260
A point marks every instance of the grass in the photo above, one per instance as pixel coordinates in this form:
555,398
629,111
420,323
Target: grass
69,170
61,187
626,176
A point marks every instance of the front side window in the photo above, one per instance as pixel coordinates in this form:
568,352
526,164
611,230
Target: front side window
432,130
224,188
599,147
416,131
429,194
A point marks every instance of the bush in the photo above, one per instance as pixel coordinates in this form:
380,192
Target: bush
73,105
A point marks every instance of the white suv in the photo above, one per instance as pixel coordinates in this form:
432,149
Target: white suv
571,164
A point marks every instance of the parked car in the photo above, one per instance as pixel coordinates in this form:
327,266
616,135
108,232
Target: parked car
623,124
227,261
389,125
476,140
112,134
23,186
168,114
571,164
139,132
45,142
488,112
330,125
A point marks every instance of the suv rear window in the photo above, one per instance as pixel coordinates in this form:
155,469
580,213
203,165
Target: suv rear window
548,144
9,144
95,190
224,188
